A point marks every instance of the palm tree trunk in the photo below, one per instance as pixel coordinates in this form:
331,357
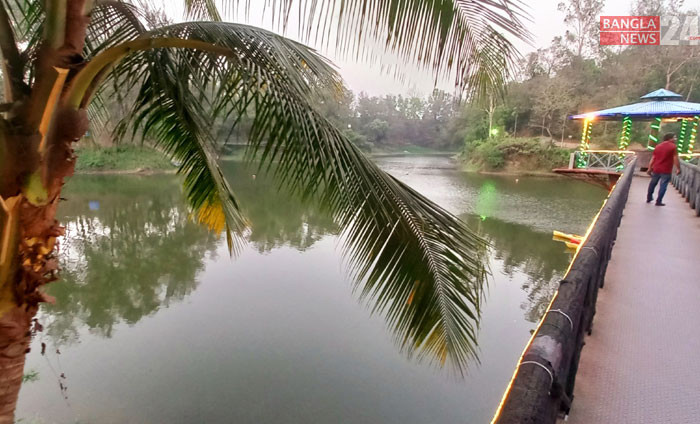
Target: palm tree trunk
28,261
14,343
37,157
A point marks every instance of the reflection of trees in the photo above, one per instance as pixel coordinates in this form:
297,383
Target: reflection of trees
121,262
276,218
130,246
531,253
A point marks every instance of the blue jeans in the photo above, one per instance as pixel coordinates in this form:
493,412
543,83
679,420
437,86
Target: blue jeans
664,178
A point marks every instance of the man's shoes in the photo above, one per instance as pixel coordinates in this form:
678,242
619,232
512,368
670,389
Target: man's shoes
649,200
660,204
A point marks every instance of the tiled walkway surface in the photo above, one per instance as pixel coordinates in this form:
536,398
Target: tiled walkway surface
642,362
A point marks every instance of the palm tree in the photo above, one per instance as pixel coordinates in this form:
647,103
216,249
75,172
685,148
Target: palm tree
419,264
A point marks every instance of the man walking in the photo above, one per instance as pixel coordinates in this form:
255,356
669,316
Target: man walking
661,166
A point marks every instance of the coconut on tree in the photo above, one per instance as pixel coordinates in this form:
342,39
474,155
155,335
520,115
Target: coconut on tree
418,263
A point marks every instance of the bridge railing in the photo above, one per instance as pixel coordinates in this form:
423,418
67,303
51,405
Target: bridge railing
543,383
688,184
608,160
691,158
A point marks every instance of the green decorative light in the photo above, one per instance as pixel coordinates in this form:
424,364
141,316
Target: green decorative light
653,140
693,135
682,143
585,142
624,142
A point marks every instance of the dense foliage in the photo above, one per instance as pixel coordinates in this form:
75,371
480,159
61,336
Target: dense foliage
515,154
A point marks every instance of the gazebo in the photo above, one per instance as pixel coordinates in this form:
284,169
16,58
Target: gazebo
658,106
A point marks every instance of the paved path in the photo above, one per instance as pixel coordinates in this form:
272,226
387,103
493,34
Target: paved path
642,362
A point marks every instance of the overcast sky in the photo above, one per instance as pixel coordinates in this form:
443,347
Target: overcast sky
547,23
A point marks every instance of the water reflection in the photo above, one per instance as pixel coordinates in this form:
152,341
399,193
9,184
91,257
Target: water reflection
129,249
525,253
131,238
276,218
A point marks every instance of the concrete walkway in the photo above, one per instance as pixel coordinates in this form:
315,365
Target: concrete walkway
642,362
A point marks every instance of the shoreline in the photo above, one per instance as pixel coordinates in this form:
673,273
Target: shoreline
148,172
539,174
135,171
459,167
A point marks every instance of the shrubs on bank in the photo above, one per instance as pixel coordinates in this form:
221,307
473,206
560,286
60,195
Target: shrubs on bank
120,158
514,154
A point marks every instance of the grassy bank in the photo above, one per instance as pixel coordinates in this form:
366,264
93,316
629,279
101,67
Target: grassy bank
121,159
514,155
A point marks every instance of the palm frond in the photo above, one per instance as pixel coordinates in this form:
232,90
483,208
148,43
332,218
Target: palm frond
26,16
418,264
27,19
112,22
168,111
202,10
445,36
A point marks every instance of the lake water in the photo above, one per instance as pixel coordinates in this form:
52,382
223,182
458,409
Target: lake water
155,323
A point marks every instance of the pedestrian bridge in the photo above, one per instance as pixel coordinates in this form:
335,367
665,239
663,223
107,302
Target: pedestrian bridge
640,363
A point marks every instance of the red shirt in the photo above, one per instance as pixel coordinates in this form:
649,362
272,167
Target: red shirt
663,157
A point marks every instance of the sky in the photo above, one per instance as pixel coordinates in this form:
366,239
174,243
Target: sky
361,76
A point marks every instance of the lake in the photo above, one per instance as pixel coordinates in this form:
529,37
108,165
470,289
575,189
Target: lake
156,323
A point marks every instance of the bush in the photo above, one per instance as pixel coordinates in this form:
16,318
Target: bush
524,154
491,155
120,158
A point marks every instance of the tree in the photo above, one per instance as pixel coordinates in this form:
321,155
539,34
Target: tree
420,264
582,17
376,131
552,105
546,62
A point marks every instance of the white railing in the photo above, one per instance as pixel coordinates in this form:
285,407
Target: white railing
607,160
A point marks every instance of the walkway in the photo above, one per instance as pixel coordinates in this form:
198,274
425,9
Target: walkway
642,362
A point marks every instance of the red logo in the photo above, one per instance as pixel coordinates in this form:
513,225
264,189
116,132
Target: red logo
630,30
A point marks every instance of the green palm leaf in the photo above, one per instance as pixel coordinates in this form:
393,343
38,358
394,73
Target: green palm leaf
419,265
202,10
445,36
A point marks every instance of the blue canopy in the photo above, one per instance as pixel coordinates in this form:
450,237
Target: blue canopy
657,106
662,94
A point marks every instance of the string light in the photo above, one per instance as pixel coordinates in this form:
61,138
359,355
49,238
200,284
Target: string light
585,142
681,143
653,140
693,134
624,140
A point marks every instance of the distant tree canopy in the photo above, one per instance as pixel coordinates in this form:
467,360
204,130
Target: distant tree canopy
388,121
